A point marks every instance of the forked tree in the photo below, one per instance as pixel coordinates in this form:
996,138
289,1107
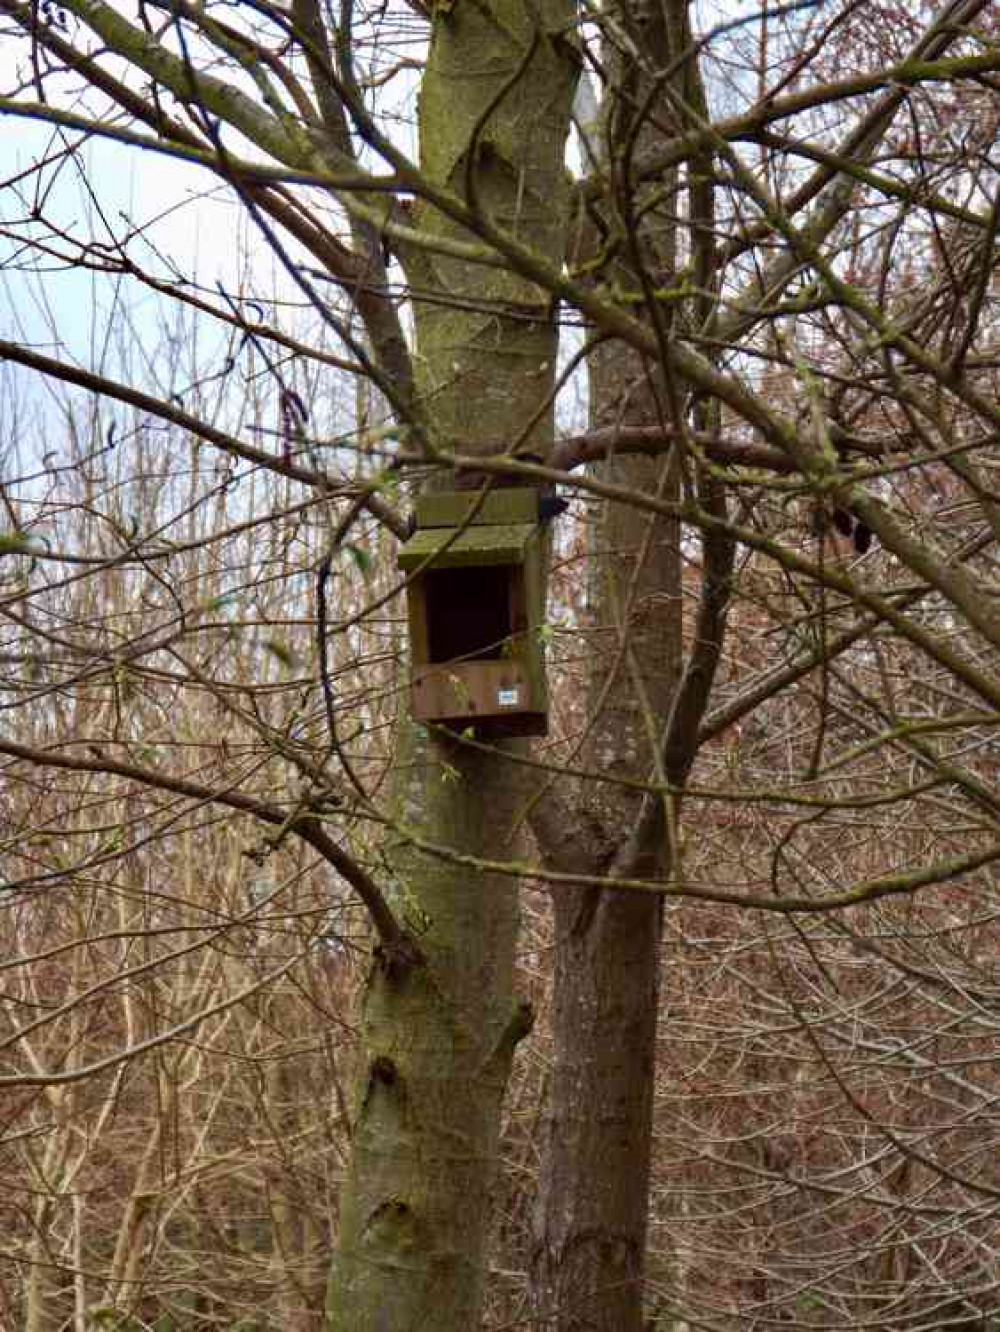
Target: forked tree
775,236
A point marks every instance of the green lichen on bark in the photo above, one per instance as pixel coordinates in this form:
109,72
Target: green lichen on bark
437,1046
494,111
283,139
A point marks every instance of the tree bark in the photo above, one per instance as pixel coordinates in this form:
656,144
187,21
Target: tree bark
589,1259
590,1245
438,1037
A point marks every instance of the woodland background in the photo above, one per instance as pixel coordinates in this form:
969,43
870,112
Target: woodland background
270,954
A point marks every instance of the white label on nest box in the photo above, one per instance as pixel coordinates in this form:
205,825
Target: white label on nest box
507,698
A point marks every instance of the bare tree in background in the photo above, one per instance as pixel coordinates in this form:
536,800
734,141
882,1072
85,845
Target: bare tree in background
781,254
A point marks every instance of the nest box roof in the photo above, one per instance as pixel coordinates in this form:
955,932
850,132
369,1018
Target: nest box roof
480,544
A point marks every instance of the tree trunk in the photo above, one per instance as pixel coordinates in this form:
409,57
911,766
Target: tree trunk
590,1246
438,1037
595,1185
596,1175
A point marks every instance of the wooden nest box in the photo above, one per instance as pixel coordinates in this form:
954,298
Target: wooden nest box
476,601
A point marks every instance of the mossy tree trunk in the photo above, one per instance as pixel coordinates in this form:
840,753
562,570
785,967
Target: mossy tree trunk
438,1036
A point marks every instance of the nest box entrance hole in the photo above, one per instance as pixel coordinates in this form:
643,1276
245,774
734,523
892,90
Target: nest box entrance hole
474,614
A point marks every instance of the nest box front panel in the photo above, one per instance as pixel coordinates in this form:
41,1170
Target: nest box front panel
475,616
465,692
